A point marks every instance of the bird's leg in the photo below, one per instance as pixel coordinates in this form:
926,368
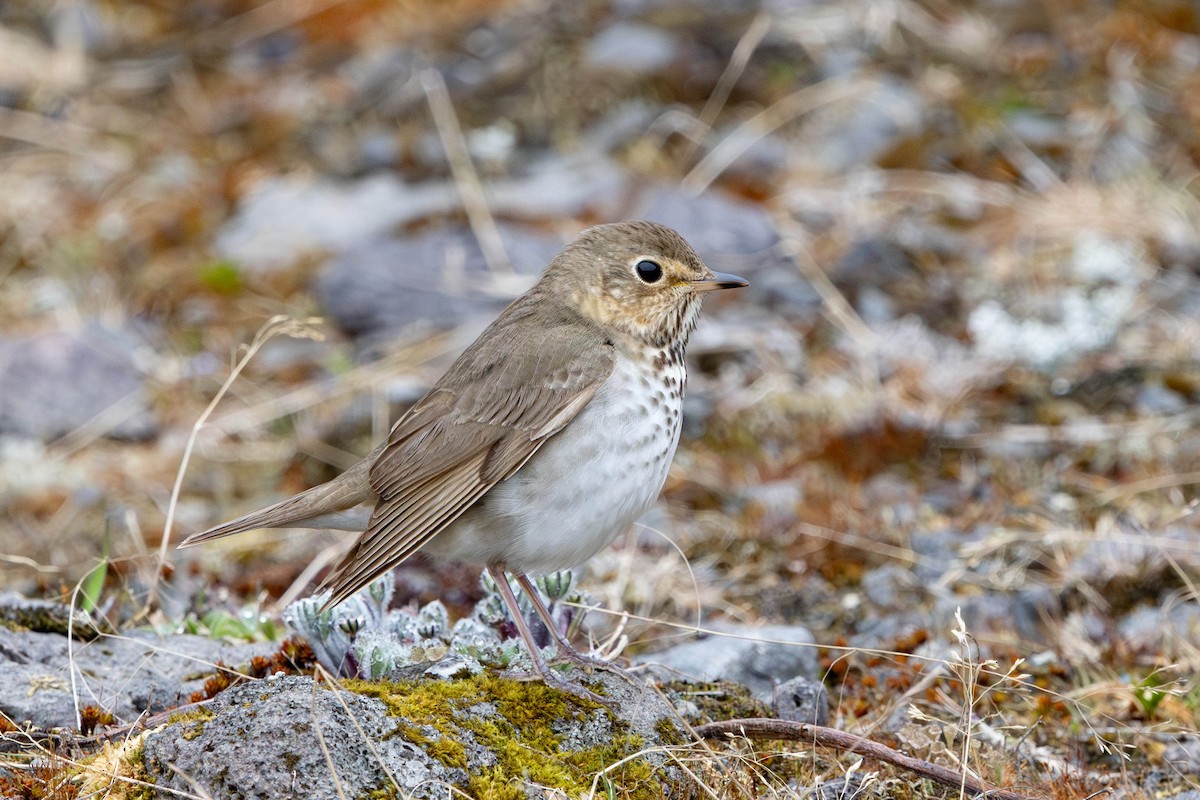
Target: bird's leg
550,677
565,650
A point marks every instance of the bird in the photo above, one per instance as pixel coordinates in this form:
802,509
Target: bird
543,441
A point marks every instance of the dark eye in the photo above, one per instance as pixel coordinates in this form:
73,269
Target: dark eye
648,271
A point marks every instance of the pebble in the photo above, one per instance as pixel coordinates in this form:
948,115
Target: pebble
758,657
802,700
430,281
59,381
128,675
282,219
631,47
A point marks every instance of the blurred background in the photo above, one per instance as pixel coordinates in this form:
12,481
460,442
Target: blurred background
964,374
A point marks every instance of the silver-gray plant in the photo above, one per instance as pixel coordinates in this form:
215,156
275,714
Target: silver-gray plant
361,637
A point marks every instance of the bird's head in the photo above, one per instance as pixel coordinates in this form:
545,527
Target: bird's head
637,278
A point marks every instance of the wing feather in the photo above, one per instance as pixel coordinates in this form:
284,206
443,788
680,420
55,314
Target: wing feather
498,403
399,531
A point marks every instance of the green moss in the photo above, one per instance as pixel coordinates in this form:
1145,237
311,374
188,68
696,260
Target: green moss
197,715
669,733
439,715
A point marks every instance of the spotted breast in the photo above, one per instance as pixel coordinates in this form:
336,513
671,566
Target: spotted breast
589,483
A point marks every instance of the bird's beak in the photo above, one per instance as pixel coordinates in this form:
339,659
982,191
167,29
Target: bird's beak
718,280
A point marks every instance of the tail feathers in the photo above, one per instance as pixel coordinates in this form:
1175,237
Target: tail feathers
316,507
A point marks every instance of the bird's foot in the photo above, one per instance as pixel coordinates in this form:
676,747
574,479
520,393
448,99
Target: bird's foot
569,655
557,681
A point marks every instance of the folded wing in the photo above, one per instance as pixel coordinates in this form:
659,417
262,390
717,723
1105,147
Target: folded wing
501,401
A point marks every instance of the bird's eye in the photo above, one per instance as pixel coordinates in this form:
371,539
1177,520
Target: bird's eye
648,271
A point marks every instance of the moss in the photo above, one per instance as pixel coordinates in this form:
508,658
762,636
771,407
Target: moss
668,732
111,772
439,715
197,715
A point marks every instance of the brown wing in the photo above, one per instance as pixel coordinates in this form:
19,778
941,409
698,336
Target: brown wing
499,402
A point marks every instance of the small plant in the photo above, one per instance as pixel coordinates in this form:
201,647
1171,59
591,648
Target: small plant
44,779
92,717
362,638
249,625
93,583
1149,695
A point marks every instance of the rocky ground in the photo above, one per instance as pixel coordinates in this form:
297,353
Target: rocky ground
943,447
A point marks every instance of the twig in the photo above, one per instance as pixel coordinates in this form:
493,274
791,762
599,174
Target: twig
356,379
1080,433
53,134
465,178
318,563
733,70
316,729
275,326
765,121
968,673
266,19
1151,484
337,691
837,307
98,426
765,728
28,562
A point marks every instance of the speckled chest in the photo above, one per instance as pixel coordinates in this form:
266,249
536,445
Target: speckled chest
614,456
592,480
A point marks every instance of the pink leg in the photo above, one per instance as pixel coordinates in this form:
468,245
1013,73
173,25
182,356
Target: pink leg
550,677
565,650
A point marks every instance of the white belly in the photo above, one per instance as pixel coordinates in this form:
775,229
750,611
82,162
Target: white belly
585,486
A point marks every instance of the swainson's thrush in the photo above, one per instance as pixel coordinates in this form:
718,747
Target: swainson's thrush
544,441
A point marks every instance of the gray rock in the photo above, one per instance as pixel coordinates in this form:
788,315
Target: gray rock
759,658
45,616
59,381
802,700
1132,554
435,280
1033,607
874,306
1183,755
554,185
283,219
777,500
892,586
764,160
80,24
1039,130
631,47
870,262
1157,400
369,744
1149,629
881,631
126,675
281,718
849,787
937,553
